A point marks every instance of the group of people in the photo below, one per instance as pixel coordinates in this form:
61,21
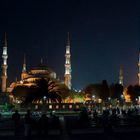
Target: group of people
39,125
111,115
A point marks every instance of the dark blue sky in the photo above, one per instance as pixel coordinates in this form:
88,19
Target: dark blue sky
104,35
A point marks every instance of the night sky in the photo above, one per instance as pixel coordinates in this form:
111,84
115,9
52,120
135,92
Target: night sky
104,34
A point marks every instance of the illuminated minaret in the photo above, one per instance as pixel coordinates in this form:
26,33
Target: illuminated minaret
24,64
68,64
24,73
121,76
4,66
139,71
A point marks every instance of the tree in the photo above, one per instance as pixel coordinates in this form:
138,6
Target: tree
116,90
41,88
64,92
49,89
93,89
105,90
133,91
21,92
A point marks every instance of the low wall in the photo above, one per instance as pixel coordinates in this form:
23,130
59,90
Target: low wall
57,106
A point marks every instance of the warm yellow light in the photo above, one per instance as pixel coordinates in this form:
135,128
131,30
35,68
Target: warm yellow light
126,96
70,106
50,106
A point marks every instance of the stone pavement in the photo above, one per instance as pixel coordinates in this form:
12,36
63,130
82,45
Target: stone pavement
120,133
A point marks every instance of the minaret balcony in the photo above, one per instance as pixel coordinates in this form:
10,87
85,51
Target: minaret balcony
4,56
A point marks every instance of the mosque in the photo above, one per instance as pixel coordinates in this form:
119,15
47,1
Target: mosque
29,77
37,72
42,71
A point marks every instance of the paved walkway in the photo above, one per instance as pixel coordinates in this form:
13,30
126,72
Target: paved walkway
7,133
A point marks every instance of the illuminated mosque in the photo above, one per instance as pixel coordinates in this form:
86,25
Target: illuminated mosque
37,72
28,78
42,71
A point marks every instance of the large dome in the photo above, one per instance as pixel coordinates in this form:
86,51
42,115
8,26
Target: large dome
38,71
42,69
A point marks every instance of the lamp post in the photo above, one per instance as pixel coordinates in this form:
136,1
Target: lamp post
122,99
93,98
44,99
109,101
136,100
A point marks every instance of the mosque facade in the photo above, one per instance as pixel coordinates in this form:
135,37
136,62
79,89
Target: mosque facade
37,72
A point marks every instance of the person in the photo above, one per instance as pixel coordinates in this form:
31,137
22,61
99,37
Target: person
83,116
16,119
108,130
95,115
27,123
43,125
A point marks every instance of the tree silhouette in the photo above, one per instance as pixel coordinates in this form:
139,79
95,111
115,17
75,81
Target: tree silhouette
41,88
63,91
93,89
133,91
105,90
116,90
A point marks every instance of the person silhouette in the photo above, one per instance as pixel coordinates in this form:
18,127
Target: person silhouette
43,125
16,119
27,123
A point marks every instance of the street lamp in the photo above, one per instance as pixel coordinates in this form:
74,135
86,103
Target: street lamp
44,99
122,96
109,98
109,102
136,101
122,99
93,97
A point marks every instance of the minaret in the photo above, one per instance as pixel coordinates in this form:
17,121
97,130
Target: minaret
68,64
4,66
24,73
121,76
139,71
24,64
41,61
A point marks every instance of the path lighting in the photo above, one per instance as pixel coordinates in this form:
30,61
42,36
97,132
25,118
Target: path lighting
137,101
93,96
109,98
122,96
99,100
44,97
